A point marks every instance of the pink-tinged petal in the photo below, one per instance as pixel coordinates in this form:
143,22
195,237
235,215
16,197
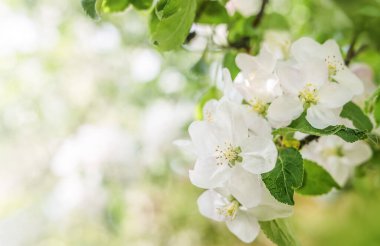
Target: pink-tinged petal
334,95
259,155
245,187
285,108
244,226
321,117
348,79
208,175
208,204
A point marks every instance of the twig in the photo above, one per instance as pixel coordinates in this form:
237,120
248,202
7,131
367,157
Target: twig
352,52
308,140
260,15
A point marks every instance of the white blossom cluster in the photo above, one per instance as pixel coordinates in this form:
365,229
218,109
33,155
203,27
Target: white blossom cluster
234,143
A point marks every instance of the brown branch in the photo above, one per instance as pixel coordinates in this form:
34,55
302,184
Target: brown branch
260,15
308,140
352,52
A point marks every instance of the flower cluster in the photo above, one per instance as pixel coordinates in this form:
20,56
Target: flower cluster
234,143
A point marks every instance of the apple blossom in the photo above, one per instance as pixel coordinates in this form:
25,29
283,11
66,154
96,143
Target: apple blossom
305,49
240,218
257,82
306,86
338,157
228,141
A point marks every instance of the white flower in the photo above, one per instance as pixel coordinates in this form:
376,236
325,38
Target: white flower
227,147
240,219
338,157
245,7
257,82
277,42
306,86
306,49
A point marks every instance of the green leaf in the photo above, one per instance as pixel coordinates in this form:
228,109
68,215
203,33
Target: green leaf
110,6
302,125
278,232
316,180
354,113
376,111
212,13
274,21
141,4
171,22
92,7
212,93
286,176
229,62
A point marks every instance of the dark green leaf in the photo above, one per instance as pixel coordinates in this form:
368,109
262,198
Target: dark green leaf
302,125
212,13
171,22
376,111
278,232
110,6
316,180
141,4
91,7
286,176
354,113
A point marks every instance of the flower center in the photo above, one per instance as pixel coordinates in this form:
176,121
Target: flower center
309,95
333,65
259,107
229,211
335,151
208,116
228,154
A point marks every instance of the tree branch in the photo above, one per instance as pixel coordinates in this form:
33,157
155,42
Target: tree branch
260,15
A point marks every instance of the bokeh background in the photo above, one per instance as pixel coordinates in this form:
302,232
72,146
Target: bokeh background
90,110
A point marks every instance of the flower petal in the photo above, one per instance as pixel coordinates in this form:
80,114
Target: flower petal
244,226
245,187
208,204
291,78
208,175
285,108
305,49
270,208
259,155
350,80
321,117
204,138
315,72
357,153
334,95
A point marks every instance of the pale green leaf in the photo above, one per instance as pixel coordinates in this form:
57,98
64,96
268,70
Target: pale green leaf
279,232
171,22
